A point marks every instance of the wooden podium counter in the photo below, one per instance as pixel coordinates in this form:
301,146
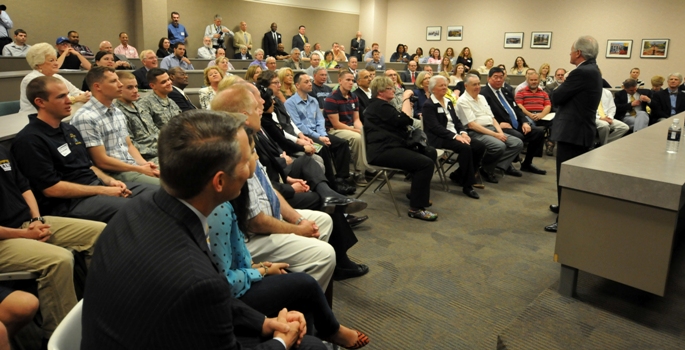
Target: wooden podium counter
619,210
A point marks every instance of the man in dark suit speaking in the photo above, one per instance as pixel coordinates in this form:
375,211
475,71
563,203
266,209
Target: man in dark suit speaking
577,100
151,284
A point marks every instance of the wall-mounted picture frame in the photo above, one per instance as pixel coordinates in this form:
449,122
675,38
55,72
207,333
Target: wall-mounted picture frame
619,48
540,40
433,33
455,32
513,40
654,48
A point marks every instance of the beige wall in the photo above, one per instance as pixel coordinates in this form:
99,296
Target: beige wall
45,21
484,30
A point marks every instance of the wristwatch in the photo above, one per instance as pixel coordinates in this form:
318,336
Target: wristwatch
40,218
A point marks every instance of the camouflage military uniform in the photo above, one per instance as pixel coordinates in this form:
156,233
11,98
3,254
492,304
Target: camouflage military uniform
161,110
141,129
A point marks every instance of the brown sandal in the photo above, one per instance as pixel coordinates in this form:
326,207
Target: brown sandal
362,341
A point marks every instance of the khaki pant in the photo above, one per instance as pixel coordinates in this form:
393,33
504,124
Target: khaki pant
355,141
53,263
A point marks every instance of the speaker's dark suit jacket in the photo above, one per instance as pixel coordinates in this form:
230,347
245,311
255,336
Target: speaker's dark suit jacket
141,78
152,285
661,104
269,45
577,100
298,42
623,103
181,100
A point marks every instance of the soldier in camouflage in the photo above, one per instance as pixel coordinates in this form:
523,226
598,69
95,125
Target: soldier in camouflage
157,105
141,128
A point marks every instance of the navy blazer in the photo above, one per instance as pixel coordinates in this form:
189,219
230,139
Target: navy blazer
577,100
181,100
239,56
141,78
623,103
435,122
498,110
152,285
298,43
661,104
269,45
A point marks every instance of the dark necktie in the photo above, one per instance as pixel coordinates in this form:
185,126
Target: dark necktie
512,116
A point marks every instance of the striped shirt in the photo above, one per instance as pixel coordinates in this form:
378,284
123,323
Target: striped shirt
100,125
533,102
336,103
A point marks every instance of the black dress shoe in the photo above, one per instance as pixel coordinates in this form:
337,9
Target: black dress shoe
552,227
340,274
344,188
356,220
489,177
533,169
554,208
352,205
470,192
511,171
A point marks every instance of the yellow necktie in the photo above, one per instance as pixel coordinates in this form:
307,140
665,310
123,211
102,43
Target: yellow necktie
600,110
632,109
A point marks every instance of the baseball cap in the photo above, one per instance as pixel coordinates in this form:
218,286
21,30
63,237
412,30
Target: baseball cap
62,39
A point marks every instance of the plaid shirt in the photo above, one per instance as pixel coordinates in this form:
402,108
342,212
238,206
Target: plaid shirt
103,126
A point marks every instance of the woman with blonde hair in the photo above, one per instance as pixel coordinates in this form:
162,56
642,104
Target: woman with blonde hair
42,59
213,77
457,74
445,65
223,64
545,77
487,65
252,73
285,76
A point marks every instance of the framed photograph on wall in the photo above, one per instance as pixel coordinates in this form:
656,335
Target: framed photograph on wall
513,40
654,48
540,40
455,32
433,33
619,48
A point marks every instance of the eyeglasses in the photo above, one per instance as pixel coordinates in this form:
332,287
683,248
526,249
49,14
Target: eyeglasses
276,82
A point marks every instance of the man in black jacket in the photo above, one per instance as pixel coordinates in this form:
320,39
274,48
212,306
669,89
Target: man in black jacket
670,101
631,105
179,81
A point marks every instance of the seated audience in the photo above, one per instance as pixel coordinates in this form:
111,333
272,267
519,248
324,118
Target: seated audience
124,48
609,129
62,175
487,65
17,309
158,104
164,48
253,71
631,105
376,61
18,47
306,53
304,111
559,77
41,57
465,58
368,55
102,59
29,241
294,62
434,57
545,78
670,101
259,59
242,55
417,56
449,53
82,49
445,65
399,55
212,77
319,88
223,65
424,60
385,130
445,130
338,52
410,75
457,74
280,52
657,82
535,104
399,88
103,128
363,91
422,94
141,129
179,81
475,113
513,121
206,51
120,61
177,59
179,280
635,74
271,64
317,50
288,89
352,66
149,61
519,66
523,84
328,61
314,66
68,58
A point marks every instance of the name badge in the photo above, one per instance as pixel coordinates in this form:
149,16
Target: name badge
353,105
183,34
64,150
440,110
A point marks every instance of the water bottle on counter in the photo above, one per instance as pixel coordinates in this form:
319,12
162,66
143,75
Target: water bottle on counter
673,139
